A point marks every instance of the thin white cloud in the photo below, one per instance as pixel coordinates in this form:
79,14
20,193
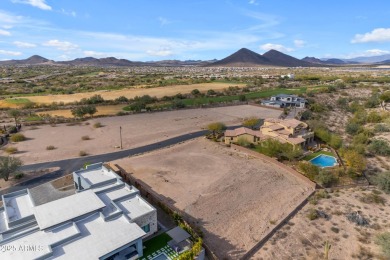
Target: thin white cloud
267,21
376,35
41,4
10,20
24,44
10,53
160,53
4,33
278,47
299,43
59,45
163,21
95,54
253,2
376,52
366,53
69,13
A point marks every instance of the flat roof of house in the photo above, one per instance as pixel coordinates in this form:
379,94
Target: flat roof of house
99,237
66,209
134,207
97,175
91,238
18,205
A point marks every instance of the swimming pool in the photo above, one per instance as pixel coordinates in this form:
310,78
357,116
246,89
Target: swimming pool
324,160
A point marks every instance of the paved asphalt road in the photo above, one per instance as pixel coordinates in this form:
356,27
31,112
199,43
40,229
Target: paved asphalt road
69,165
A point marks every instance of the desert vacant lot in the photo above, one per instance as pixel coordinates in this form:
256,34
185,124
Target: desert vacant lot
235,199
129,93
137,130
301,238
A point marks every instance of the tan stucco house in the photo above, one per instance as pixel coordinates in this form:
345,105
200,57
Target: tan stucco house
290,131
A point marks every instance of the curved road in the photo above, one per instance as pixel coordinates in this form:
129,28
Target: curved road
70,165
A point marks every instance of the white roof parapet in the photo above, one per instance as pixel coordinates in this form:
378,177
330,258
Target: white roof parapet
67,209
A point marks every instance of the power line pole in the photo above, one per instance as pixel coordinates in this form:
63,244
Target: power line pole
120,134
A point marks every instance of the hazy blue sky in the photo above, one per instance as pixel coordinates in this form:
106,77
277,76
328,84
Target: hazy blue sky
191,29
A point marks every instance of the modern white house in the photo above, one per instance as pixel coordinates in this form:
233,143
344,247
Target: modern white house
104,219
284,100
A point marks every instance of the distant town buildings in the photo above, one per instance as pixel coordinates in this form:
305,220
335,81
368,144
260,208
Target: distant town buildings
284,100
104,219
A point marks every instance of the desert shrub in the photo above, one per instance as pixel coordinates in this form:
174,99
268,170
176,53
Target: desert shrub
353,128
373,198
356,161
335,141
382,180
50,147
342,103
318,108
379,147
122,99
97,125
18,137
312,214
11,150
326,178
82,153
309,169
85,138
251,122
242,141
383,240
374,117
121,113
335,229
242,98
379,128
372,102
306,115
19,175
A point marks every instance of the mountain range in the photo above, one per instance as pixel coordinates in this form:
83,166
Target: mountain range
241,58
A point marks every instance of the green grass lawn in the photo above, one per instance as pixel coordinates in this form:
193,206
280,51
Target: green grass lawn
33,118
313,155
156,243
248,96
18,101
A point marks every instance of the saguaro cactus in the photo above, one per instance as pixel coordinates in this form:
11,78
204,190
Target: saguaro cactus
327,247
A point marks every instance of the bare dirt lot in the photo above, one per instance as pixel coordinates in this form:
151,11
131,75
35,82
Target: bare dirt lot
234,198
128,92
137,130
302,238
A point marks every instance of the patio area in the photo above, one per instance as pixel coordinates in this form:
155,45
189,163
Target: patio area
167,246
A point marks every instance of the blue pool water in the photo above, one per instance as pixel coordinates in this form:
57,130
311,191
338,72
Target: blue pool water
323,160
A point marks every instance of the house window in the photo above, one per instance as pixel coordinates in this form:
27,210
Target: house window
146,228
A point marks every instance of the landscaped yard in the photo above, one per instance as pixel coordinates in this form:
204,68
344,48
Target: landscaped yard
314,155
157,246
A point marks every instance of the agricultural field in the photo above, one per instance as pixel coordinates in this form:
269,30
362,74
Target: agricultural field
235,199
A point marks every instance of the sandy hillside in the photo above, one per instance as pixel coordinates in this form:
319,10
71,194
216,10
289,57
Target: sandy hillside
302,238
236,200
137,130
